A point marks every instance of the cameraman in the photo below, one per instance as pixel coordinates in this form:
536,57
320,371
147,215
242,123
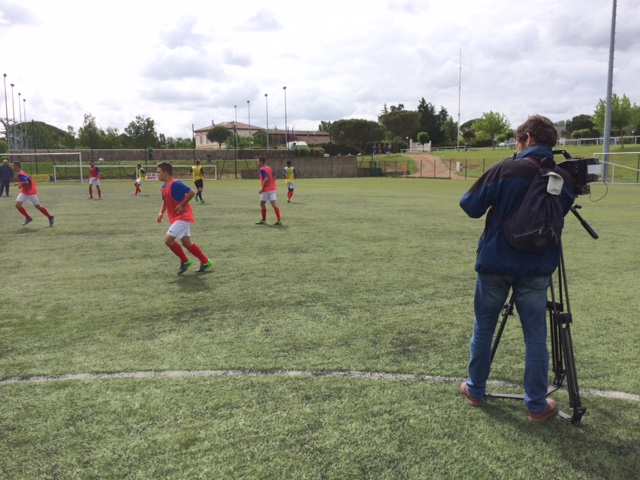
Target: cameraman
502,268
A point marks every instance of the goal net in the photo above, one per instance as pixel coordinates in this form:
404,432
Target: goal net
624,167
41,166
125,171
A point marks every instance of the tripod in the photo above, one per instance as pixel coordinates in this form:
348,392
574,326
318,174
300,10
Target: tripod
563,359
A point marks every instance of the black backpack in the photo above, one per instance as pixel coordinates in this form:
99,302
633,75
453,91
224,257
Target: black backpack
535,224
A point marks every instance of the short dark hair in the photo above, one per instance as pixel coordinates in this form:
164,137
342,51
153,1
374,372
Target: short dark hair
165,167
288,163
541,129
17,163
261,159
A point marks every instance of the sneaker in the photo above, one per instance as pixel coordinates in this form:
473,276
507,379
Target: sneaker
278,223
261,222
464,391
288,201
549,411
184,266
28,221
201,201
51,221
90,198
204,266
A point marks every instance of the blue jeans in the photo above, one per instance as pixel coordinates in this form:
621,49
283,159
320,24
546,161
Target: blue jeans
530,295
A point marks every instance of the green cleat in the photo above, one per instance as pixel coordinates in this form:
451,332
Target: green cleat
204,266
278,223
184,266
261,222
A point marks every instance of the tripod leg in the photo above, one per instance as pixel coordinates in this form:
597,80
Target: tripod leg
506,311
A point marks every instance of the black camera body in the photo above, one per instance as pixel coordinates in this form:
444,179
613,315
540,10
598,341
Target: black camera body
581,170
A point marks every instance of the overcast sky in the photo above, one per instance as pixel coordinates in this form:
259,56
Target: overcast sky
188,62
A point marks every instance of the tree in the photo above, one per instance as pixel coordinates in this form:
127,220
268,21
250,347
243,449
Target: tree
432,122
467,131
218,134
581,122
357,133
89,134
450,129
423,137
402,123
623,115
142,133
492,124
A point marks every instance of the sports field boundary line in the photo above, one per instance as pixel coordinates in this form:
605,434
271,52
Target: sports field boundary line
288,373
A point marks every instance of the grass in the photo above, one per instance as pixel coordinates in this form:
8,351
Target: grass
368,275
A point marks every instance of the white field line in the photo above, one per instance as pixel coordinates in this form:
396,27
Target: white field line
287,373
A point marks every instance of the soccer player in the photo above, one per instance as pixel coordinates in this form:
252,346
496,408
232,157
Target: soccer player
176,196
198,179
28,194
267,192
142,173
289,174
94,179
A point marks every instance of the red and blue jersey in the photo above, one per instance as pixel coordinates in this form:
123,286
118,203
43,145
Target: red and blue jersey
267,182
28,188
94,172
173,192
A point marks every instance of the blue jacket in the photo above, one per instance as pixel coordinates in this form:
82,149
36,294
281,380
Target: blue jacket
6,173
501,188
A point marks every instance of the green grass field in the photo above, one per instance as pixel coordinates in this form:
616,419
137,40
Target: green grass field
308,351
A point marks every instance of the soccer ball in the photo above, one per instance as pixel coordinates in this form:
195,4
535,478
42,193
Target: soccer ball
101,160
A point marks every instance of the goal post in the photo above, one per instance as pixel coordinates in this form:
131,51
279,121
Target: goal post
624,167
45,163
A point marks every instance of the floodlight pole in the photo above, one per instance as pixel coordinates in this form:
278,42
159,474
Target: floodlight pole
15,144
20,116
459,95
24,101
286,136
266,100
249,121
6,110
607,115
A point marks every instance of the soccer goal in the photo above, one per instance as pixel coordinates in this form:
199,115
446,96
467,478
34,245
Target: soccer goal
624,167
62,172
46,163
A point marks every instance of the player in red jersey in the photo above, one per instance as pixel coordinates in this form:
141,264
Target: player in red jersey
267,192
94,179
28,194
176,196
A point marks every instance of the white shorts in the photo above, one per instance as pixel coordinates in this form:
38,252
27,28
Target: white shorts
180,229
139,181
268,196
94,181
291,185
32,199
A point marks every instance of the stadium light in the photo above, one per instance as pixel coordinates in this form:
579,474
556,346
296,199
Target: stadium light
24,104
286,136
249,121
20,116
6,110
15,145
266,100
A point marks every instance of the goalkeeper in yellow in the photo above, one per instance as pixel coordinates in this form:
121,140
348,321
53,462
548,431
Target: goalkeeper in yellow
198,178
289,174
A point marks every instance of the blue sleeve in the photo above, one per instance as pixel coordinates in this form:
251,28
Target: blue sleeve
263,174
23,178
179,190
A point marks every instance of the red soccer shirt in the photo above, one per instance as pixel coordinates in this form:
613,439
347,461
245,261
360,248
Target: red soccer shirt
173,192
27,188
267,182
